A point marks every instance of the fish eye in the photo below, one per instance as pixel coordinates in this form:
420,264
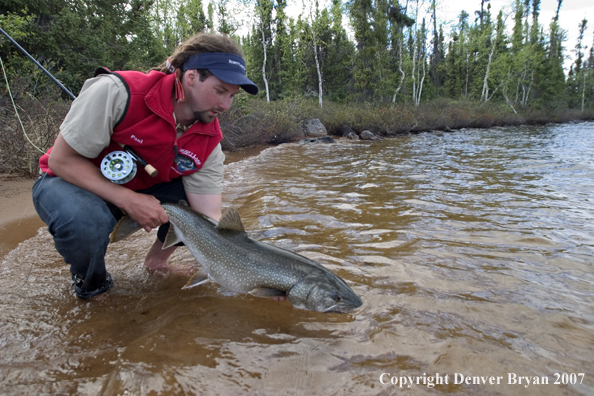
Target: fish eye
338,299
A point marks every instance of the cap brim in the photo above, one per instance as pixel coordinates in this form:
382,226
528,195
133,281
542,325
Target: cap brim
231,77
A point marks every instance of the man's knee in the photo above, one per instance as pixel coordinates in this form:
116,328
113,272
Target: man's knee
72,211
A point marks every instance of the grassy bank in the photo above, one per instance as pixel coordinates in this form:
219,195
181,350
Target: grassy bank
255,122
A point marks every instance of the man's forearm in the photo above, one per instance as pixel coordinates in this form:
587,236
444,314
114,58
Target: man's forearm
69,165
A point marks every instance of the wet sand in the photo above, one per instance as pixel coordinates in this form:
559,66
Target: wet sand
18,221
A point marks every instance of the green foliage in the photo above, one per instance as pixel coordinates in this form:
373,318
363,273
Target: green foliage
395,55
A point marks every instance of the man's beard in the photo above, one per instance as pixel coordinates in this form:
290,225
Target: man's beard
204,117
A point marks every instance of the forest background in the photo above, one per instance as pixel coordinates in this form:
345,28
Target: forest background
380,65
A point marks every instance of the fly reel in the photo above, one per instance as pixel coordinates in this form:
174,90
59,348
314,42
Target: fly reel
119,167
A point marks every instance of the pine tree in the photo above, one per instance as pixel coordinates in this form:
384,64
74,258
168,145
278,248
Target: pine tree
553,88
338,67
361,13
190,20
437,55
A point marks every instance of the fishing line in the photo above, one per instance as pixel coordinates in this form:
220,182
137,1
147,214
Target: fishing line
15,107
27,136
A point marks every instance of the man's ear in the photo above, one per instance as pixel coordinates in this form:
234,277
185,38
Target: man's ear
191,77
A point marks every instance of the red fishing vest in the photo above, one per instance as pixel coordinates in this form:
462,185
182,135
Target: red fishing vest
148,127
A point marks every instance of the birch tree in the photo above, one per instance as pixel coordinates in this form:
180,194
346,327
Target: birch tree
398,22
263,13
312,17
580,69
494,39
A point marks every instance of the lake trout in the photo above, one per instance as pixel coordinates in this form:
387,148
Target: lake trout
244,265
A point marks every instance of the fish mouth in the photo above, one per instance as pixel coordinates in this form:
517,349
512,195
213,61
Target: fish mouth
340,308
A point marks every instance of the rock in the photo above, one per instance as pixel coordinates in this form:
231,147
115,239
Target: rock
367,135
352,136
323,139
393,132
377,131
314,128
346,131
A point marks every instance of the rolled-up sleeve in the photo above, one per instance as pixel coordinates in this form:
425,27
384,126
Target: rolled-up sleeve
89,124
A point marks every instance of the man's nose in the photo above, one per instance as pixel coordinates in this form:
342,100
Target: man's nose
225,103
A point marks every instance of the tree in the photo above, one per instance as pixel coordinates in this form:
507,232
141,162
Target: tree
314,25
418,60
339,61
588,98
190,20
361,13
263,10
226,22
457,59
437,56
554,87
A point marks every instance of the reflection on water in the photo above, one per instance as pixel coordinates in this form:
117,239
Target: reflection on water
472,251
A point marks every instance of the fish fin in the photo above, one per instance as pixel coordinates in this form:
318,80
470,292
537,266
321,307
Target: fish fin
198,279
267,292
183,202
171,239
230,220
123,229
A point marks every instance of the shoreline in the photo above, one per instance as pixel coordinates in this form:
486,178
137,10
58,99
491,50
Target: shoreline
15,198
19,221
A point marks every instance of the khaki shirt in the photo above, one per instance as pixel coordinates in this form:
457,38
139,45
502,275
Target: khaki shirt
89,124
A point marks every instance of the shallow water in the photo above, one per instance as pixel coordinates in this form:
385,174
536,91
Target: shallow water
473,252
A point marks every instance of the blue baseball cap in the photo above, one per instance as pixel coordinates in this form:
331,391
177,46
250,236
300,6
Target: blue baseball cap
229,68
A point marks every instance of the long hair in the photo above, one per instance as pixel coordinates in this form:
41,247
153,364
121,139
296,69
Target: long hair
199,43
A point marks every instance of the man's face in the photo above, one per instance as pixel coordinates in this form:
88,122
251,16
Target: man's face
208,98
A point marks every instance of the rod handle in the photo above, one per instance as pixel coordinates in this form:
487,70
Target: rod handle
151,170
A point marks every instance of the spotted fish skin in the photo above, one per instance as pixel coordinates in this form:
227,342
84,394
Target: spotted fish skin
244,265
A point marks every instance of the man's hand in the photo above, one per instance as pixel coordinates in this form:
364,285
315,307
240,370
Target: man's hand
146,210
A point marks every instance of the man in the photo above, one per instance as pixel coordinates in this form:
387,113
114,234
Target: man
169,118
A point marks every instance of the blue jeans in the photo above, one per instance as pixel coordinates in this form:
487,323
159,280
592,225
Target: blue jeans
81,222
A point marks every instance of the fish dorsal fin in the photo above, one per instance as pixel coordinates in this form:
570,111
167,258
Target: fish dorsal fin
231,220
183,202
171,239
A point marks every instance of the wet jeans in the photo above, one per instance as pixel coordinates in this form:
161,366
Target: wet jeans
81,222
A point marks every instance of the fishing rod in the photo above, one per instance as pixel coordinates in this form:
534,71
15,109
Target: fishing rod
118,166
38,64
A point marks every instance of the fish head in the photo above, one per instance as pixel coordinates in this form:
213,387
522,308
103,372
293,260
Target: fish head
329,294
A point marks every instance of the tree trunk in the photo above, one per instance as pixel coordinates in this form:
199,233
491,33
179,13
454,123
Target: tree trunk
421,84
315,47
264,65
584,90
401,71
485,93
